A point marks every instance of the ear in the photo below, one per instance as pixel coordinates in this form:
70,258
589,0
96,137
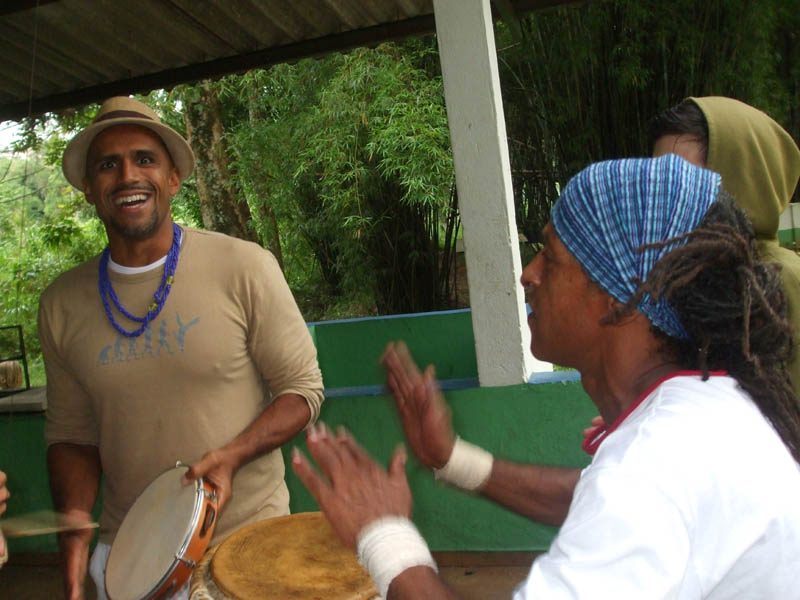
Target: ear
633,316
87,191
174,182
613,307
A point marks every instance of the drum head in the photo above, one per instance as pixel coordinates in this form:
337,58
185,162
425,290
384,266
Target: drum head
298,556
155,529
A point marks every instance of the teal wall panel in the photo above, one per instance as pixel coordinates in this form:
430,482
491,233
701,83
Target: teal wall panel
788,237
532,423
23,457
349,350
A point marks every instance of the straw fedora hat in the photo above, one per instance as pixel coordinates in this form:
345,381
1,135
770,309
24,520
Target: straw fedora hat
122,110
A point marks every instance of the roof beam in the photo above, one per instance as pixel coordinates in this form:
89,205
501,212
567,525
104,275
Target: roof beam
370,36
12,6
222,66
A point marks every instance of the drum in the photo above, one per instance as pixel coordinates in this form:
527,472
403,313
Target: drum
164,534
297,556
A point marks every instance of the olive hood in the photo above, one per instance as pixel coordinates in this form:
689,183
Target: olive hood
758,160
760,164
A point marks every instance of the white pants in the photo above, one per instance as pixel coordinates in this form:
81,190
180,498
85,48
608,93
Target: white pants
97,569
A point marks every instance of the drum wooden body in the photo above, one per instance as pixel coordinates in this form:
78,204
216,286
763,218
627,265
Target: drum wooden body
163,536
297,556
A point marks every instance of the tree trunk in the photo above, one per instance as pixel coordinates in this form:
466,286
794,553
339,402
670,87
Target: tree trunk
221,204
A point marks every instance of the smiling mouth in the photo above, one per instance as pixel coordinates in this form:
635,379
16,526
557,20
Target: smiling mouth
131,200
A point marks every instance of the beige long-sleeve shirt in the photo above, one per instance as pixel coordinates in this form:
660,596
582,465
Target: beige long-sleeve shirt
229,339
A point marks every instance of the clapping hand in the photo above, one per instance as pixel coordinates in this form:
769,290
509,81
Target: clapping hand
353,489
425,415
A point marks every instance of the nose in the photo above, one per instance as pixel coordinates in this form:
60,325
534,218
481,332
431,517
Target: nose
128,171
532,273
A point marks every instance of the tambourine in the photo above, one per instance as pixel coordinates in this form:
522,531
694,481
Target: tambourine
161,539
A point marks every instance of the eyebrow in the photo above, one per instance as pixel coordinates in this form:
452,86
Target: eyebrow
137,152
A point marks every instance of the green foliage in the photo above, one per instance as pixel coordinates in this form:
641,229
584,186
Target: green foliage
584,81
347,160
47,228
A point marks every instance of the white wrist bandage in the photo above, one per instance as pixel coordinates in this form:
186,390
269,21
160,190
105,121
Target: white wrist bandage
468,468
388,546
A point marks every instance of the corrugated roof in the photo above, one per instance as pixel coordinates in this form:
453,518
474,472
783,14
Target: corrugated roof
61,53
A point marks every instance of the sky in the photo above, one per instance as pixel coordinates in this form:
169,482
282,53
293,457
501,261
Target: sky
8,131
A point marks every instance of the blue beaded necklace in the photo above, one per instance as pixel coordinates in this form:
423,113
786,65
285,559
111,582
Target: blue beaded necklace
159,297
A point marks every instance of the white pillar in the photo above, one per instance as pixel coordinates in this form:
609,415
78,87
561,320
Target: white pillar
467,52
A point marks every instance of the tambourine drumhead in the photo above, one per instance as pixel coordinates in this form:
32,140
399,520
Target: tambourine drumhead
157,529
298,556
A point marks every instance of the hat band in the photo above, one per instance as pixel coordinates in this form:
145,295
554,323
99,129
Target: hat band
118,114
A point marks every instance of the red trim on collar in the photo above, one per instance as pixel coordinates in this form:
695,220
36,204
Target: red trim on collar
592,441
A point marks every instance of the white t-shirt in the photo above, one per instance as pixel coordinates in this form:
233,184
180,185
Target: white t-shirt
693,496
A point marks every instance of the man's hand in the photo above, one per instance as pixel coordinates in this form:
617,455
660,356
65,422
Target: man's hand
355,490
74,546
4,495
74,479
217,467
423,410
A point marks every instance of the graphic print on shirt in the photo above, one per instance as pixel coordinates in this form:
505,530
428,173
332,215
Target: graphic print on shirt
171,339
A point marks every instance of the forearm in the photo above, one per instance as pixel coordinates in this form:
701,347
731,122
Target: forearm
74,471
539,492
74,481
284,418
279,422
419,582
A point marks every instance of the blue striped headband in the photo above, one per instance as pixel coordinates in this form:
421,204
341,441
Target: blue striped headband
611,209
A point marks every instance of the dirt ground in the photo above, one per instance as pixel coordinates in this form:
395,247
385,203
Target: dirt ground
474,576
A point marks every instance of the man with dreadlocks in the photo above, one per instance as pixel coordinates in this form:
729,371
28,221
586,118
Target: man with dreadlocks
650,284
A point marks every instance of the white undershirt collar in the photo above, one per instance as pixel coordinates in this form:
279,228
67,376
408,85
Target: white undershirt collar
134,270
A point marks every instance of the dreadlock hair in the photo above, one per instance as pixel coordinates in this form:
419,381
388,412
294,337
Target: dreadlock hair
685,118
732,307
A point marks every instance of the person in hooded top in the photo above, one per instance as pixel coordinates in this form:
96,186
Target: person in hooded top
649,284
760,166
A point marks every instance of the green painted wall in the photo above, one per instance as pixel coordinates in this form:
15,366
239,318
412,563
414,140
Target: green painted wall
533,423
788,238
349,350
540,423
22,457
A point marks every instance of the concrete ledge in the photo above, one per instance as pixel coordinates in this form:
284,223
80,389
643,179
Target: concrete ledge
554,377
32,400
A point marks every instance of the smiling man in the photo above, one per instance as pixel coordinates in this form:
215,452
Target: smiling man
651,286
173,344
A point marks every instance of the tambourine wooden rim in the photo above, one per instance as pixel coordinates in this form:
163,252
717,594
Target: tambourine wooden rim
200,527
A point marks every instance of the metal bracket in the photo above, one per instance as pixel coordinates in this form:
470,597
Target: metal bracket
187,561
